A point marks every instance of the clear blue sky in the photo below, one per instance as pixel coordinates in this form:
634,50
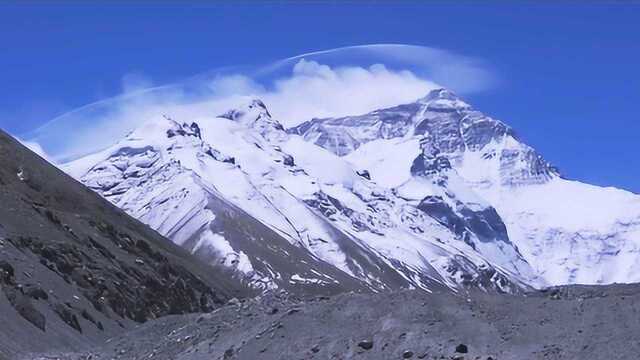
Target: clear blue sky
570,72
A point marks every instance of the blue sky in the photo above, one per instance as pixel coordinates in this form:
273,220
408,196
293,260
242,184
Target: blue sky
568,73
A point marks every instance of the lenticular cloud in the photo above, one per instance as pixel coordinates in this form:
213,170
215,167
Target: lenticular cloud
338,82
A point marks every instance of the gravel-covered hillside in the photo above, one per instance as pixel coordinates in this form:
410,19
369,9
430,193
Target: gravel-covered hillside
591,322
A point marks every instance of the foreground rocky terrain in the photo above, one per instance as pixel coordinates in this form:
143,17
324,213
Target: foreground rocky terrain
75,270
576,322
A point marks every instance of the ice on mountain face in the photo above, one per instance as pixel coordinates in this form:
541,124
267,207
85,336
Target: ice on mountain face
241,192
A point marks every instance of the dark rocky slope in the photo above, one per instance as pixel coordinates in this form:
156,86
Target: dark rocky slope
75,270
594,322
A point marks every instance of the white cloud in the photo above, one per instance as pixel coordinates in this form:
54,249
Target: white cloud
232,85
135,81
462,74
294,90
316,90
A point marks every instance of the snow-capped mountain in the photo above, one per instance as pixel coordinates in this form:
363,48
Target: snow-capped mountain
281,212
422,195
568,231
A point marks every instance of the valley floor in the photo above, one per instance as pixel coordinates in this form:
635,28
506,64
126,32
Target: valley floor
577,322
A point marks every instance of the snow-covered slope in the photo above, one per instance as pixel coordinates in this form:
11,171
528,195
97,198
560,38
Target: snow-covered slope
279,211
573,232
568,231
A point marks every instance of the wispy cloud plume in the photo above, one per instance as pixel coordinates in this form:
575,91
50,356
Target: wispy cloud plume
316,90
336,82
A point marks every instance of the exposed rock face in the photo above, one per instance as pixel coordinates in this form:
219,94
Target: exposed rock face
431,163
74,269
485,224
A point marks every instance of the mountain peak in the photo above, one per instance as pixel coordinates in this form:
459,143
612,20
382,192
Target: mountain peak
158,129
443,99
176,129
257,103
254,114
251,107
441,93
